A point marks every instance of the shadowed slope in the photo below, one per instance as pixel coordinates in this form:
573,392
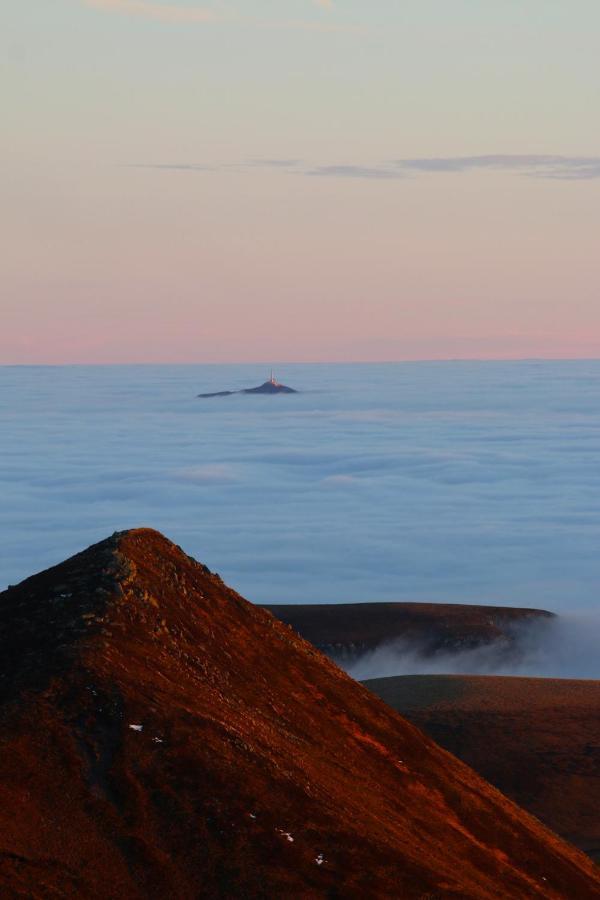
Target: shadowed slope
537,739
347,630
162,737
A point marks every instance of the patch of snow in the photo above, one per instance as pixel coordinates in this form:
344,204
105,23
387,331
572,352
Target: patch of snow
156,740
286,835
137,727
320,859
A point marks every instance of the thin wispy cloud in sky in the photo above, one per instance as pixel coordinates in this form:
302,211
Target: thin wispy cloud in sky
353,171
545,166
564,168
534,166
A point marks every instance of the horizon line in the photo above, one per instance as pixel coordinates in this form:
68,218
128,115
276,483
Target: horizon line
322,362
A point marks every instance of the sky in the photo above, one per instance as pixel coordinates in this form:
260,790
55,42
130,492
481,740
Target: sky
302,181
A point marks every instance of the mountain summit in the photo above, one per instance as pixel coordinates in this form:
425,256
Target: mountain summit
271,386
163,737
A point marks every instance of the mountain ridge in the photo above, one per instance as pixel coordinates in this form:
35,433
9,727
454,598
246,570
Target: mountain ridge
160,733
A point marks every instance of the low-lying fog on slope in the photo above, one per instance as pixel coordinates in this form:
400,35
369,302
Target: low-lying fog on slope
567,646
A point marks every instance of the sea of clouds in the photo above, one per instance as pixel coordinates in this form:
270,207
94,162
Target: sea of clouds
444,481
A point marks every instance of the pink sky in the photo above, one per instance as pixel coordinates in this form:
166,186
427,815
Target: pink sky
409,209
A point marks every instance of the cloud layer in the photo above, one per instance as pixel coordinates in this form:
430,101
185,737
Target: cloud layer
458,482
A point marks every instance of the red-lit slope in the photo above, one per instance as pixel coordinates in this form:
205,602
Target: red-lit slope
161,737
536,739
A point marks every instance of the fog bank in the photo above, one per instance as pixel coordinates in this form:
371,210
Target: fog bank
564,647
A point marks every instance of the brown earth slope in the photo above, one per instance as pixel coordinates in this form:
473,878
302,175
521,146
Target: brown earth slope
537,739
346,630
162,737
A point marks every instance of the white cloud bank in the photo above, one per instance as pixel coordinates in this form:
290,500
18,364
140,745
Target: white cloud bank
457,482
